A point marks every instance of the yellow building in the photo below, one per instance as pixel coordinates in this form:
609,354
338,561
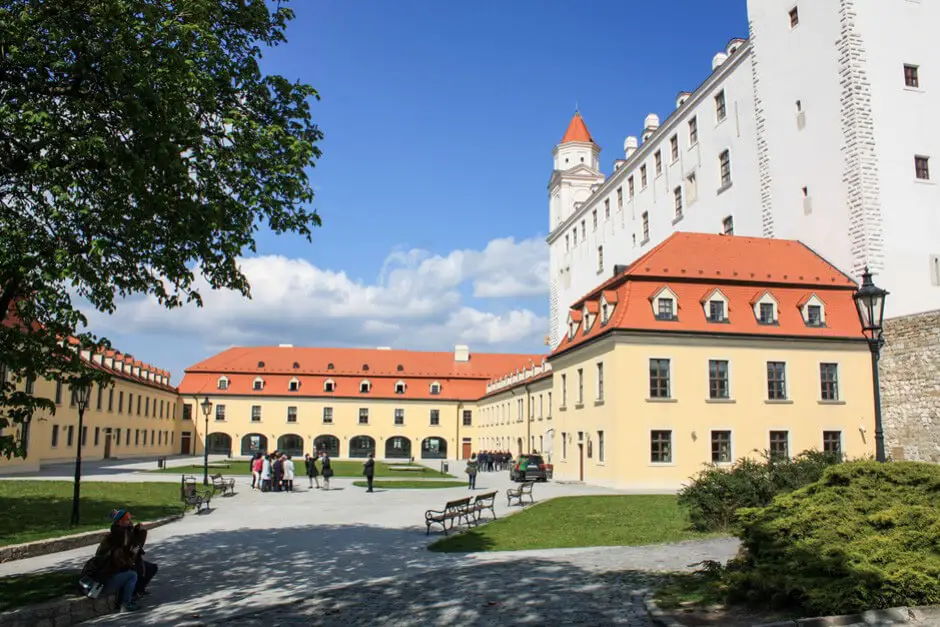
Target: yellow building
397,404
516,413
136,416
708,349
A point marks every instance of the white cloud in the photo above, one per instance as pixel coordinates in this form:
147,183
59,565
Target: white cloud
416,302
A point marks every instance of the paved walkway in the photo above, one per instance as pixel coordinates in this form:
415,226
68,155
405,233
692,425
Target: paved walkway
348,557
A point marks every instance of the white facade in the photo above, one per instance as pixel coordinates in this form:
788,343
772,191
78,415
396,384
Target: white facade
821,134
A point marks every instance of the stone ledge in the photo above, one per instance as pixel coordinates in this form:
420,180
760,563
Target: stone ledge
656,614
67,543
892,616
60,612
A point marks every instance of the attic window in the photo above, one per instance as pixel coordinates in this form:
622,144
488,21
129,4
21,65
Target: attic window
329,366
401,368
665,309
364,385
716,311
258,384
435,388
766,313
605,314
814,315
296,365
365,367
400,387
223,383
294,385
329,385
261,364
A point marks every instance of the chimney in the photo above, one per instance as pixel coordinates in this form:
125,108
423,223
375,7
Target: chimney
462,353
383,348
285,346
651,124
718,60
630,144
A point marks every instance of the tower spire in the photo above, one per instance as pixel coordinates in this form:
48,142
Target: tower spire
577,130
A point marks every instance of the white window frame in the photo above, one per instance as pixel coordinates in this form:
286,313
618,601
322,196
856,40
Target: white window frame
329,386
367,384
222,383
731,431
254,384
672,444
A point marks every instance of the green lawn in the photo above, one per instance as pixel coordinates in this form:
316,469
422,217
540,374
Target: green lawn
412,485
34,510
21,590
577,521
350,468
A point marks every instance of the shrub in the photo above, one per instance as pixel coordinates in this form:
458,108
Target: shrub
716,493
866,536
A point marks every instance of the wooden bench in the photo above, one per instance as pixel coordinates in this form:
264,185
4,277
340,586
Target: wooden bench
223,485
453,511
524,489
481,503
192,496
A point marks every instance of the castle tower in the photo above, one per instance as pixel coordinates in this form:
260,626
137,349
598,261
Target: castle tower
576,172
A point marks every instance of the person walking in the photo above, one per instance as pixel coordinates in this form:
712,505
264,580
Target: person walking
312,474
472,467
368,469
327,470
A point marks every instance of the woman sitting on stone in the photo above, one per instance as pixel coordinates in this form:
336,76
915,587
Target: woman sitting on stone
114,563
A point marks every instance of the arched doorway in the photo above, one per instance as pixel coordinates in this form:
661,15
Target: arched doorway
328,443
292,444
434,448
398,447
361,446
519,446
254,443
220,444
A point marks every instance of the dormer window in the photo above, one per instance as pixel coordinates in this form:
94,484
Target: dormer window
814,315
329,386
294,385
435,388
258,384
767,313
400,387
296,365
365,367
329,366
604,313
716,311
814,311
400,368
665,309
223,383
365,386
261,364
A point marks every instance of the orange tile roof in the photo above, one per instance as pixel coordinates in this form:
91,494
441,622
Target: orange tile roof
743,269
347,367
577,131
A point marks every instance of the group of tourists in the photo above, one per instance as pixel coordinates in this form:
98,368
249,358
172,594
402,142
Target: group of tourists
274,472
118,565
494,461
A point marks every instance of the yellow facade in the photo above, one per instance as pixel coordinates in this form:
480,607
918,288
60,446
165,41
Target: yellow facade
398,428
124,420
608,424
516,414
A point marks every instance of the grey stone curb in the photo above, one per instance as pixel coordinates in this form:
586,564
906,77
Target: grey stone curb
66,543
883,618
656,614
59,613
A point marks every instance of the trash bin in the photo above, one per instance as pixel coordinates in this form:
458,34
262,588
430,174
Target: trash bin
161,462
444,467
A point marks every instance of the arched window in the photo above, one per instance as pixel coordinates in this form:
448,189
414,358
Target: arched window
329,385
294,384
261,364
296,365
401,368
400,387
365,386
329,366
365,367
223,383
435,388
258,384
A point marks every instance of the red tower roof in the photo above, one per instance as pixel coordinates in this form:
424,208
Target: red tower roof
577,131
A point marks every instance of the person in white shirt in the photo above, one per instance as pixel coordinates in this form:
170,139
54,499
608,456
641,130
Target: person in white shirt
288,473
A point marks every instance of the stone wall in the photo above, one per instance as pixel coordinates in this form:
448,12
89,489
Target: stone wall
910,387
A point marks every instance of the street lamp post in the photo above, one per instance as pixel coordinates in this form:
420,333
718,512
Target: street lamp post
81,392
870,302
206,410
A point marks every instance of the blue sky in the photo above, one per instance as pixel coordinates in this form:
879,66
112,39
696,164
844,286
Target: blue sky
440,119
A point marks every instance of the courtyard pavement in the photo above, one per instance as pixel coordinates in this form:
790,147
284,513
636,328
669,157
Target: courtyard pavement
352,558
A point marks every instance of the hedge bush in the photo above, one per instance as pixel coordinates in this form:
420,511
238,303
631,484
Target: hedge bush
716,493
866,536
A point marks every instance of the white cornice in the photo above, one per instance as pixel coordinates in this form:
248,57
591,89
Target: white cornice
619,175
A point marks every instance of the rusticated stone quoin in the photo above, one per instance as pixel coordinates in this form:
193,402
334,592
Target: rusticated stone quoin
910,387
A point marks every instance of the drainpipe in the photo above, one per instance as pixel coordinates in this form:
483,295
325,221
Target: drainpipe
528,423
459,442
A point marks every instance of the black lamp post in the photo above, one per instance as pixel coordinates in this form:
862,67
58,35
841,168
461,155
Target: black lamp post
870,302
81,392
206,410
